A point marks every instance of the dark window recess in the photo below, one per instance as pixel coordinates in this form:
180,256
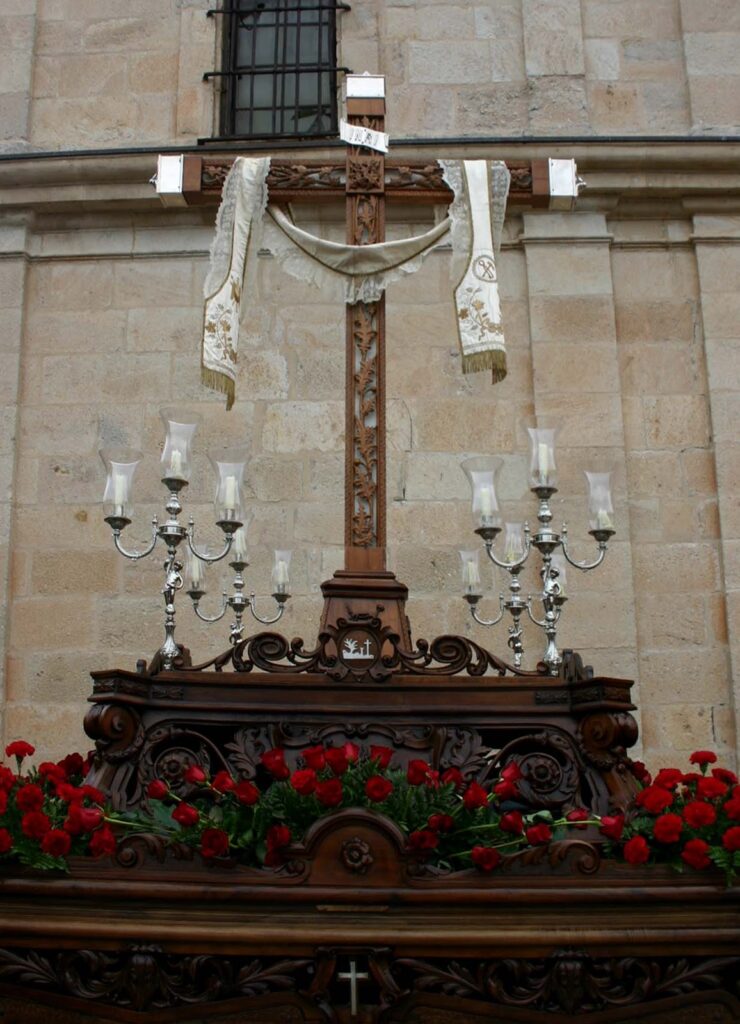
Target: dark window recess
279,73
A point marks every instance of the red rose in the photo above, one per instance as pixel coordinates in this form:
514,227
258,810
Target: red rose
351,751
731,839
277,837
612,826
329,793
6,841
423,839
454,776
512,772
246,793
702,757
668,828
378,789
691,777
506,790
102,843
314,757
417,772
337,760
303,781
194,774
70,794
654,799
35,824
538,835
214,843
3,801
90,818
698,814
441,822
186,815
93,794
56,843
576,815
696,854
474,796
641,773
157,790
19,749
7,778
72,764
222,782
52,772
736,793
732,809
636,850
725,775
29,798
485,857
512,822
382,755
668,778
274,762
710,788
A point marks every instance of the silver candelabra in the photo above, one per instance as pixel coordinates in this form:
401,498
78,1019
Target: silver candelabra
121,465
519,542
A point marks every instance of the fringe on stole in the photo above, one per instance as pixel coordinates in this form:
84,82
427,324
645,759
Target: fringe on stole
218,382
492,359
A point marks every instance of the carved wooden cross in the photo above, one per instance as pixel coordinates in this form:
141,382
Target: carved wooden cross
367,181
353,976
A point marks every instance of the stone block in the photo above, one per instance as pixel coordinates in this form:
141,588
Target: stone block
12,277
601,58
56,729
662,369
303,426
74,572
615,107
157,329
263,375
275,479
676,568
654,473
557,103
324,476
66,378
597,368
708,53
98,331
668,320
447,22
605,18
675,627
715,103
720,313
686,727
58,430
462,424
504,18
572,318
507,59
560,269
667,103
16,111
434,523
131,35
70,286
46,623
677,421
553,37
605,620
143,282
317,372
320,523
460,63
652,276
710,16
592,419
94,74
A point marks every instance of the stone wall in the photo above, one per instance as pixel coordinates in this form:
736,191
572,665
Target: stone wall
621,316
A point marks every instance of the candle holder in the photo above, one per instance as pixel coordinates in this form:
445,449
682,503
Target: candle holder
237,600
551,545
121,465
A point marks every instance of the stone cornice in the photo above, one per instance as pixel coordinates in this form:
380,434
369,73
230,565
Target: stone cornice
704,174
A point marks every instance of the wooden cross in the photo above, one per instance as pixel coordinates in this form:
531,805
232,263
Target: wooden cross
367,181
353,976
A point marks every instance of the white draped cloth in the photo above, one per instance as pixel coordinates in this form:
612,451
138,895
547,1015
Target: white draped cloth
246,221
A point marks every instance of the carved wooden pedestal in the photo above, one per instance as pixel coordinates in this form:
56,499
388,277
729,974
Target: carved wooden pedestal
352,928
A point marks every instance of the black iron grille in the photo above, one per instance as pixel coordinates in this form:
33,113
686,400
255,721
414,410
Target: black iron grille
280,73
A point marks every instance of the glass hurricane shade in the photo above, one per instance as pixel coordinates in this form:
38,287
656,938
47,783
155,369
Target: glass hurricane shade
196,572
120,464
229,465
481,473
543,471
600,508
177,454
239,547
470,567
281,572
513,542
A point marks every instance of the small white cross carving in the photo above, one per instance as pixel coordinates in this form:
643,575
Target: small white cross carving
353,976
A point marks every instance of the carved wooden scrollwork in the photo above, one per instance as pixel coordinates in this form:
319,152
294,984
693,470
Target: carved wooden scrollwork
364,448
117,731
605,737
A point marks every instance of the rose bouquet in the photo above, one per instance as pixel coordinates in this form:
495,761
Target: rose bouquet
683,819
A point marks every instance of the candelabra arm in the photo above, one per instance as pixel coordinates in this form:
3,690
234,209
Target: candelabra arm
211,618
204,557
509,566
267,621
135,556
542,623
583,566
488,622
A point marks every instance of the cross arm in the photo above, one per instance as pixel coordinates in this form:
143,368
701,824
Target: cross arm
202,179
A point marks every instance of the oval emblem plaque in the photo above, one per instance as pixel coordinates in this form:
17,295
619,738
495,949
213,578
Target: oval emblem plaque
358,649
